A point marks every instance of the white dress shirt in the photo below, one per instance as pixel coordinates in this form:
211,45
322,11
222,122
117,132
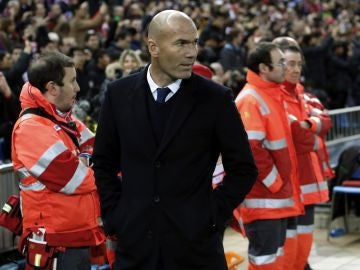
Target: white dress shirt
174,87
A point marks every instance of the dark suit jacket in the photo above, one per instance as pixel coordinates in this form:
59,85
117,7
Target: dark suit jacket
164,208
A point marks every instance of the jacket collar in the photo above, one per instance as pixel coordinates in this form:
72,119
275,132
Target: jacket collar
255,79
31,97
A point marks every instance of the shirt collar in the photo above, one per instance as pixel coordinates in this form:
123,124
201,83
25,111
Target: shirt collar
174,86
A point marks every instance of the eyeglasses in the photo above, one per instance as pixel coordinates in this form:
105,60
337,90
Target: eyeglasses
294,64
281,64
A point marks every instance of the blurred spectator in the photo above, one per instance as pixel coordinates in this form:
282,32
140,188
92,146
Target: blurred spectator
339,82
92,41
8,116
82,74
8,33
120,43
232,55
81,21
66,44
13,71
129,61
96,71
316,50
56,18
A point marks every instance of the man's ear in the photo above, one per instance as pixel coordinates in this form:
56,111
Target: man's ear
153,48
51,88
263,68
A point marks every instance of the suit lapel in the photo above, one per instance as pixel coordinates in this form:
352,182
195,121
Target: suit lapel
182,108
141,119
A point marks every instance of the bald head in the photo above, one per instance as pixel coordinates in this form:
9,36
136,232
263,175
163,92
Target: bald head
172,44
165,20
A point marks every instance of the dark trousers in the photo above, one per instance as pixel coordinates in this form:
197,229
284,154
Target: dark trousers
74,259
266,240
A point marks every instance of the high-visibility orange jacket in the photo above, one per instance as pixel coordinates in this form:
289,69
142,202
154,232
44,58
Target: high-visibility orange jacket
276,193
313,186
316,109
57,190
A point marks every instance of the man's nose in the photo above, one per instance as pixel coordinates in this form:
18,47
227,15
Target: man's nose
192,50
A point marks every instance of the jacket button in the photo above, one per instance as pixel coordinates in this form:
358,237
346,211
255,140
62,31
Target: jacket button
156,199
157,164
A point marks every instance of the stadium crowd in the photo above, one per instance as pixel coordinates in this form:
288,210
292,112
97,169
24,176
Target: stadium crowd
106,41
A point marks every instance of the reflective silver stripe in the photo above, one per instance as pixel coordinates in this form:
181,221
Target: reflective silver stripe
275,144
76,180
22,173
26,116
317,142
266,259
271,177
291,233
280,251
50,154
316,112
305,229
37,186
85,135
111,244
268,203
318,123
255,135
325,165
292,118
309,188
100,222
263,107
285,104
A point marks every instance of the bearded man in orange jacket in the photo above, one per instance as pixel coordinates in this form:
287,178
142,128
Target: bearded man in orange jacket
60,204
276,194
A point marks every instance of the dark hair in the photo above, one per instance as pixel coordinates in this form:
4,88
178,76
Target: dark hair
234,33
75,49
122,34
260,54
2,54
16,46
99,53
91,34
49,67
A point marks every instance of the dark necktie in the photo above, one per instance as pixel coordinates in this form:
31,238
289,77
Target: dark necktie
162,94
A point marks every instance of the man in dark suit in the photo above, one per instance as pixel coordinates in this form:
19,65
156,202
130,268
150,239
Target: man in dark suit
163,128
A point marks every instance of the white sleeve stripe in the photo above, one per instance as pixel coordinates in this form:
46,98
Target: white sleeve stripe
85,135
76,180
47,157
255,135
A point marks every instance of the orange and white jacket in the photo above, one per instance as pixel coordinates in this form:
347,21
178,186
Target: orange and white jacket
57,190
313,186
315,109
276,192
